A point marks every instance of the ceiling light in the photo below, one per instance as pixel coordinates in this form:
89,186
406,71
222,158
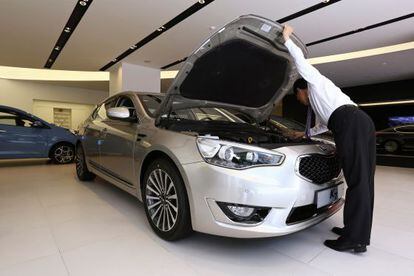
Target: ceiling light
388,103
57,48
114,60
67,30
82,3
160,29
133,47
201,2
17,73
50,60
363,53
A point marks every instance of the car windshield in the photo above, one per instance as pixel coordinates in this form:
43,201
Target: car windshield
151,104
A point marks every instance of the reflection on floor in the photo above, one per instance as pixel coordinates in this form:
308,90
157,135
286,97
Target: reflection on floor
52,224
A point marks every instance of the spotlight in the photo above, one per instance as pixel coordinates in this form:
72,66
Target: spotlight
201,2
67,30
57,48
82,3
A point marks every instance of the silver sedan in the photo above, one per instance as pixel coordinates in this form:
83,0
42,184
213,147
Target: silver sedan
195,160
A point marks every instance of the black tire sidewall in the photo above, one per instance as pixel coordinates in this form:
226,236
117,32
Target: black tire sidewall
85,175
182,227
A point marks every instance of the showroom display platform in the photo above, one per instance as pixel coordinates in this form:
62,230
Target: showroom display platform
52,224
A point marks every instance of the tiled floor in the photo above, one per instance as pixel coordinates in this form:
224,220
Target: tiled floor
52,224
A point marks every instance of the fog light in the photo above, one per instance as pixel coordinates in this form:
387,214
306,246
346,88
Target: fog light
244,213
241,211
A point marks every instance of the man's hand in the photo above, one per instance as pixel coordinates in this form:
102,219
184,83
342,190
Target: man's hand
295,135
287,32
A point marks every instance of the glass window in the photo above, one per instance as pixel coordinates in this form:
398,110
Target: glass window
7,119
406,129
151,103
14,119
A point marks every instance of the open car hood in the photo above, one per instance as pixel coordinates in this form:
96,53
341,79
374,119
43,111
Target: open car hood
243,66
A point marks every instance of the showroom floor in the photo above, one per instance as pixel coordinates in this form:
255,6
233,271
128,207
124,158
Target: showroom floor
52,224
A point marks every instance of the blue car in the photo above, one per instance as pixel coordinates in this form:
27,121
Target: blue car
23,135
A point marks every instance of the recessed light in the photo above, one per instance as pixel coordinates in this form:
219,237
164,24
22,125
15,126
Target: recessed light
67,30
326,1
50,60
82,3
114,60
57,48
160,29
201,2
133,47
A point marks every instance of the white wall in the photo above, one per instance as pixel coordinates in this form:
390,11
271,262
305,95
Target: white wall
20,94
79,112
131,77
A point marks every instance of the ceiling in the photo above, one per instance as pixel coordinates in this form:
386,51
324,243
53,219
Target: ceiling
29,30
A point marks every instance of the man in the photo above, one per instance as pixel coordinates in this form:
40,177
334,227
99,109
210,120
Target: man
354,135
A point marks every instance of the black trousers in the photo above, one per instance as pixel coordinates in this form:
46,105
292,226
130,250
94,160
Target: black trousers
354,134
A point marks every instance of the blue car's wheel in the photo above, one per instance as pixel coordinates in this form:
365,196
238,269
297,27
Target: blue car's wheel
62,153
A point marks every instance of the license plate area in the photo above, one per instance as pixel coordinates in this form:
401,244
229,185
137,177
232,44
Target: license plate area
327,196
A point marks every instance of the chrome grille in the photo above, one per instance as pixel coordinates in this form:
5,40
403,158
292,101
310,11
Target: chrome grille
319,168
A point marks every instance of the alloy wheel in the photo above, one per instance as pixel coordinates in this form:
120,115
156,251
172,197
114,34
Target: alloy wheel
161,199
63,154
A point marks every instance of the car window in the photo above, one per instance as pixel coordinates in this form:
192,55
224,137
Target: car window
151,103
405,129
14,119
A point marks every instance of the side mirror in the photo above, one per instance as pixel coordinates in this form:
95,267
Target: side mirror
120,113
38,124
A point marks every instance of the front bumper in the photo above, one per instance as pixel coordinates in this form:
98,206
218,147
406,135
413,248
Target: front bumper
277,187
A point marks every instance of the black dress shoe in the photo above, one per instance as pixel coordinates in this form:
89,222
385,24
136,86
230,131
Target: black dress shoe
338,230
343,245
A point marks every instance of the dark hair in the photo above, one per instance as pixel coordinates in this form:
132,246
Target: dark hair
299,84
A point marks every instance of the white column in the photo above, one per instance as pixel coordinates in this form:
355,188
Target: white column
131,77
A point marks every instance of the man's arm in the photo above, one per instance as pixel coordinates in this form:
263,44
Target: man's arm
305,69
318,128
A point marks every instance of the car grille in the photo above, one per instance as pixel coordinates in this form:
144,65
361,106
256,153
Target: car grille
319,168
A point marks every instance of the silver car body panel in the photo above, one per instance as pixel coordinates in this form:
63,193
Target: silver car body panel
276,187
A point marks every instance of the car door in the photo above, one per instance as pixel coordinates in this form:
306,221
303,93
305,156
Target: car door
20,138
94,132
117,147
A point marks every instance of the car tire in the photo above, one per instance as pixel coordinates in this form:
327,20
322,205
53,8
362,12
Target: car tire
165,201
391,146
62,153
81,169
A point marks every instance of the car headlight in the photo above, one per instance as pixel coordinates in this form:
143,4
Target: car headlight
236,156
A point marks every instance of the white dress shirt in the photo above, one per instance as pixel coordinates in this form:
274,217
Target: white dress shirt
324,96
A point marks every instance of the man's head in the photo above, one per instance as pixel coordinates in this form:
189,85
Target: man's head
300,88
